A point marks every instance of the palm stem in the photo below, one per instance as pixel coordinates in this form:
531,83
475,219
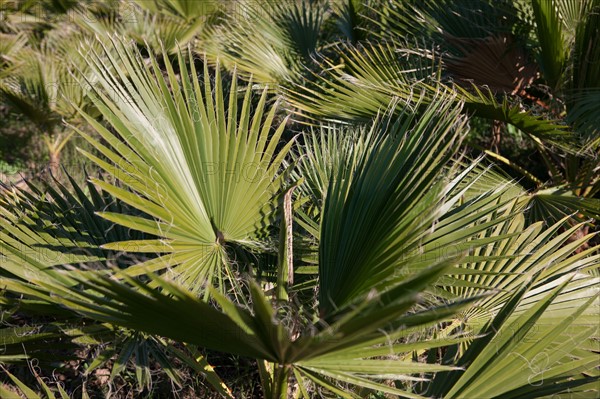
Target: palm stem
265,377
281,377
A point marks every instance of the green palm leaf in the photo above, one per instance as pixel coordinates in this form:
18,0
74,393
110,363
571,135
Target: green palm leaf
368,78
186,9
272,42
544,360
202,169
232,329
553,48
397,183
151,25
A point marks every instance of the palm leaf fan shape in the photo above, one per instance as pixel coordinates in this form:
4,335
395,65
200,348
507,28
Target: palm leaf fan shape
202,169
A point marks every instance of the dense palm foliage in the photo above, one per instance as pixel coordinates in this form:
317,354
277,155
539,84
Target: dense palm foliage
295,200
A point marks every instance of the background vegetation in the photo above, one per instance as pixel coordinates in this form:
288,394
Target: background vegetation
299,199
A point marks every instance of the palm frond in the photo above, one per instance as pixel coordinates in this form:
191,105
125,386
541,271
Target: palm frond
583,115
149,26
59,226
540,359
29,393
586,56
555,203
232,329
324,152
187,10
483,103
370,77
398,184
351,19
203,172
272,42
11,45
434,20
364,81
43,87
553,49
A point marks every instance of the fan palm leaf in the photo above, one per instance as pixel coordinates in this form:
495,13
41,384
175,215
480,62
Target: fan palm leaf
60,229
272,42
205,173
368,78
186,9
152,25
542,360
